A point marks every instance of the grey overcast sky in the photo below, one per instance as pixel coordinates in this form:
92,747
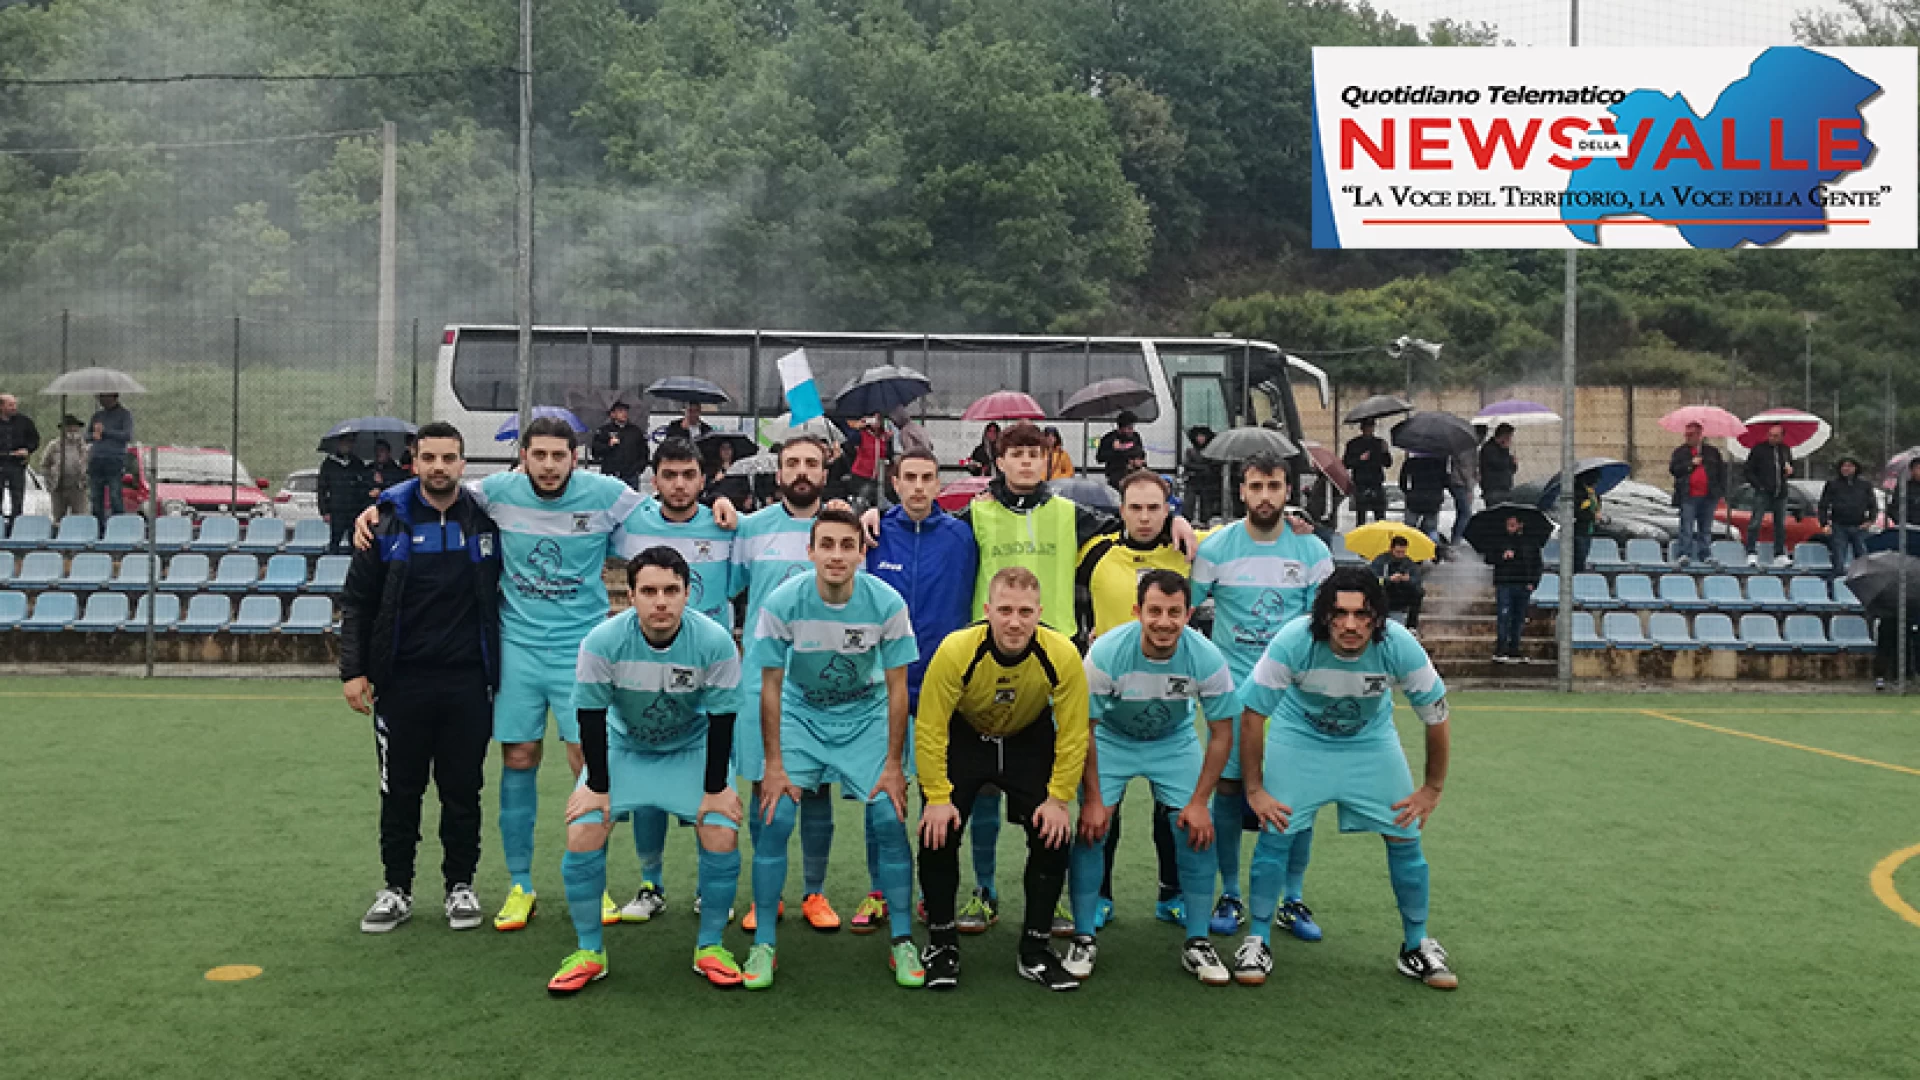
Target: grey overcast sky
1622,22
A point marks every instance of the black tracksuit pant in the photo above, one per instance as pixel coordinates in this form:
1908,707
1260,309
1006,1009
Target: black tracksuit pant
438,723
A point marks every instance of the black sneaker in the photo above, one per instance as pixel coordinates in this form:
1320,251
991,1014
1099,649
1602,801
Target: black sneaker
1428,964
1044,968
942,964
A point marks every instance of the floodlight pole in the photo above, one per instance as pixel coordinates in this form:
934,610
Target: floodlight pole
383,314
523,221
1569,494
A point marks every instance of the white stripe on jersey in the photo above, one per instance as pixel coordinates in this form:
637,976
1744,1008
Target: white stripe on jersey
694,551
828,635
788,546
1267,571
535,521
1158,685
655,675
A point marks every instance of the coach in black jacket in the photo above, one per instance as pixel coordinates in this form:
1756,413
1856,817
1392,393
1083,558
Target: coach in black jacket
420,651
1768,469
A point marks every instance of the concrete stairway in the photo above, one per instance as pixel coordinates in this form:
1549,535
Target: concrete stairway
1457,627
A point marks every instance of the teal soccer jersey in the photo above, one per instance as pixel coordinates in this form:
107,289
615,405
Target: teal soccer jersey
836,657
1314,697
706,546
658,700
553,552
1147,700
770,548
1257,588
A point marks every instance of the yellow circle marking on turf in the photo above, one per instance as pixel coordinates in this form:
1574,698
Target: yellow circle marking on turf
1883,887
233,973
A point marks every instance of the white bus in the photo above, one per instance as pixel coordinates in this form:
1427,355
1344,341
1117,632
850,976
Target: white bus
1217,382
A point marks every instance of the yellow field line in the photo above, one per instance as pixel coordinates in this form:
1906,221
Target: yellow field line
1770,741
1882,878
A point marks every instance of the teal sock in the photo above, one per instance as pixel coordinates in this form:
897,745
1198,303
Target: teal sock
1225,808
1297,865
719,882
650,843
816,838
1086,865
984,821
873,862
770,870
1196,869
887,834
1269,875
585,874
519,802
1407,867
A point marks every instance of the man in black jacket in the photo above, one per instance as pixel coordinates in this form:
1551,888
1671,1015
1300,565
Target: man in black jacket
1497,466
1400,578
1846,508
1699,483
385,471
1769,468
346,488
420,652
1121,450
1516,572
18,440
1367,458
619,447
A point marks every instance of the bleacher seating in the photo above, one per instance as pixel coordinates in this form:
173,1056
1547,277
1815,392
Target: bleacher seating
78,532
135,568
1550,554
1850,634
265,536
1604,555
309,615
1722,593
258,615
1843,596
1731,556
1546,595
218,532
105,613
39,570
29,531
186,573
329,573
1715,631
1680,592
125,532
1762,634
1810,594
1646,556
1590,591
6,567
90,570
285,574
1765,592
1635,591
206,614
52,611
1623,631
310,536
13,608
1584,635
1805,634
173,532
1668,630
237,573
1815,557
166,613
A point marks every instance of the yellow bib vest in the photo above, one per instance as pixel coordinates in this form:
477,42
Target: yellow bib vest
1042,540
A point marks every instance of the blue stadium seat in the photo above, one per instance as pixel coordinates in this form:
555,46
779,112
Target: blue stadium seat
1715,631
1850,634
186,573
29,531
1546,595
1635,591
1669,632
258,615
78,532
309,615
125,532
166,613
206,614
329,574
1764,551
1768,593
90,570
1722,593
13,608
1843,596
1623,631
1584,635
1550,554
218,532
39,570
1731,556
1816,557
310,536
105,612
285,573
1762,634
1806,635
1590,591
52,611
1604,555
1646,556
237,573
265,536
1810,594
173,532
135,568
6,564
1680,593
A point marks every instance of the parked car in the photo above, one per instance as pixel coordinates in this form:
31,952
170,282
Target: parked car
198,480
299,497
1803,512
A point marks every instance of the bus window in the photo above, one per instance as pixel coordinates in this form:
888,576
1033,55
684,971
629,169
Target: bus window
1203,403
723,365
962,377
1054,376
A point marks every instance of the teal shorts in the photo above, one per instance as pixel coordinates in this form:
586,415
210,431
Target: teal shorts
1363,780
673,783
532,682
855,764
1171,765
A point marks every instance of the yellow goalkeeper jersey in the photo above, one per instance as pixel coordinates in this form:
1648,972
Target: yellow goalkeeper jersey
998,696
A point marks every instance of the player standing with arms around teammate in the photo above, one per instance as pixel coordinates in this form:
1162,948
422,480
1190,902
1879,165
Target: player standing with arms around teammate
1317,729
656,690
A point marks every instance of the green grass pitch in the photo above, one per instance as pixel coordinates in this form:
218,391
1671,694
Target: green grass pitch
1624,895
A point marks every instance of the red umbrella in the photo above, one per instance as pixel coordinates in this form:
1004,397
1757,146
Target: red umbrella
1330,466
1715,422
1796,427
961,492
1005,405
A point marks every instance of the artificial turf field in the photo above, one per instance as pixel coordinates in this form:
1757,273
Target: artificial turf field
1623,893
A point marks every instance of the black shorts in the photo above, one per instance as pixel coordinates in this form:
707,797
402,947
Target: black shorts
1021,765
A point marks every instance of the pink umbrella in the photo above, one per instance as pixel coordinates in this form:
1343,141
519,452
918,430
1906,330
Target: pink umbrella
1005,405
1328,464
1715,422
961,492
1798,430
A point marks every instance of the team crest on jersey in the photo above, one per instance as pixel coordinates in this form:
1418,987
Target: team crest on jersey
680,679
1293,574
1004,697
703,550
1177,686
486,547
582,522
1376,685
856,638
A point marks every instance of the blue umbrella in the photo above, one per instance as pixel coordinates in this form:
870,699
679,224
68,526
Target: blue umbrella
366,431
1605,474
878,391
510,430
688,390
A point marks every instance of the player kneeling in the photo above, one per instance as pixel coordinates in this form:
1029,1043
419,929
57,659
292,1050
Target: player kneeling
1326,682
656,689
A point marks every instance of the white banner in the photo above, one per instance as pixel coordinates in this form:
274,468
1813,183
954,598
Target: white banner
1784,147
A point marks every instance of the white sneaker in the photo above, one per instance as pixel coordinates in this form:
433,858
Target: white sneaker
1781,561
1428,964
1080,957
645,904
1752,559
1683,562
1199,959
463,908
1252,962
391,907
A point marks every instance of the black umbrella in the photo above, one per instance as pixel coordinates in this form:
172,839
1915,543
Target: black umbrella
1104,399
1876,578
1090,493
1439,434
1603,473
1376,407
688,390
1487,531
366,431
878,391
743,447
1241,443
